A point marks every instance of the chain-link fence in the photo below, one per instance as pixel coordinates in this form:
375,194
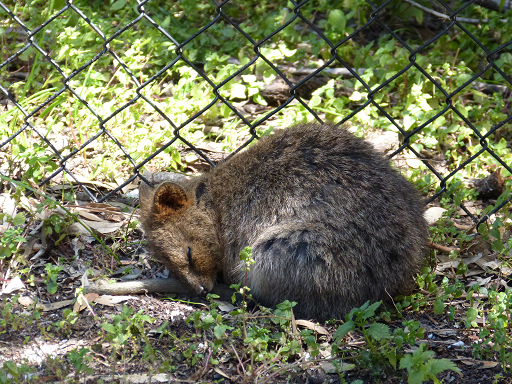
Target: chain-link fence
299,85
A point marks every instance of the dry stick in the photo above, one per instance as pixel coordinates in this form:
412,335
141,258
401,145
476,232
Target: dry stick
72,125
266,365
442,248
207,363
443,16
392,300
240,363
167,285
453,66
98,323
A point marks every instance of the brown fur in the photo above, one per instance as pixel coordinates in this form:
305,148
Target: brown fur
331,224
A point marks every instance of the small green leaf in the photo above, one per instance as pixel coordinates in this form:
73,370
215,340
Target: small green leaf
415,377
228,32
252,91
439,306
237,91
356,96
370,311
225,110
471,314
430,142
118,5
417,147
19,219
408,121
219,331
249,78
342,331
379,331
399,341
268,76
315,101
406,362
436,366
338,104
259,99
392,358
418,15
51,287
287,52
497,246
338,20
110,328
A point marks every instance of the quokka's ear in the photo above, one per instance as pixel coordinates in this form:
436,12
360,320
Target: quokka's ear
146,194
169,198
200,190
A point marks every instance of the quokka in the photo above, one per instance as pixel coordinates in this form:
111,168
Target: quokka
330,222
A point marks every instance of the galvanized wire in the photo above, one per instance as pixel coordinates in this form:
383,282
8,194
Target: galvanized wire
452,17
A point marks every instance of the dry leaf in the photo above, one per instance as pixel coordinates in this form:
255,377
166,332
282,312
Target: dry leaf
474,272
88,215
12,286
83,180
472,210
216,369
4,227
506,270
224,306
25,301
481,364
114,213
310,325
472,259
445,332
7,205
447,265
433,214
78,229
328,367
91,297
112,300
105,227
412,161
102,227
83,300
54,306
102,207
493,264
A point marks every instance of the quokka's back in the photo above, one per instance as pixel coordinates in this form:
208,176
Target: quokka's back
330,223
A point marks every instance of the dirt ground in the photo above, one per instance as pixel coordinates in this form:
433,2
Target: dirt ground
155,343
37,341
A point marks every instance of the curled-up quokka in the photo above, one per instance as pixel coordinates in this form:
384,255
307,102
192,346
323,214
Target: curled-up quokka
330,222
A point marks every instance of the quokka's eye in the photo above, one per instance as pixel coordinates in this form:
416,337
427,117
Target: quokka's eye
189,255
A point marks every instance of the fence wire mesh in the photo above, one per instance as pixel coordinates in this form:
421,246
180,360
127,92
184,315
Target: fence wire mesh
26,113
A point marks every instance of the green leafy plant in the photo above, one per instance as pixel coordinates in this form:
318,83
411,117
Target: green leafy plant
494,334
12,372
384,347
421,366
126,327
52,273
80,359
11,238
